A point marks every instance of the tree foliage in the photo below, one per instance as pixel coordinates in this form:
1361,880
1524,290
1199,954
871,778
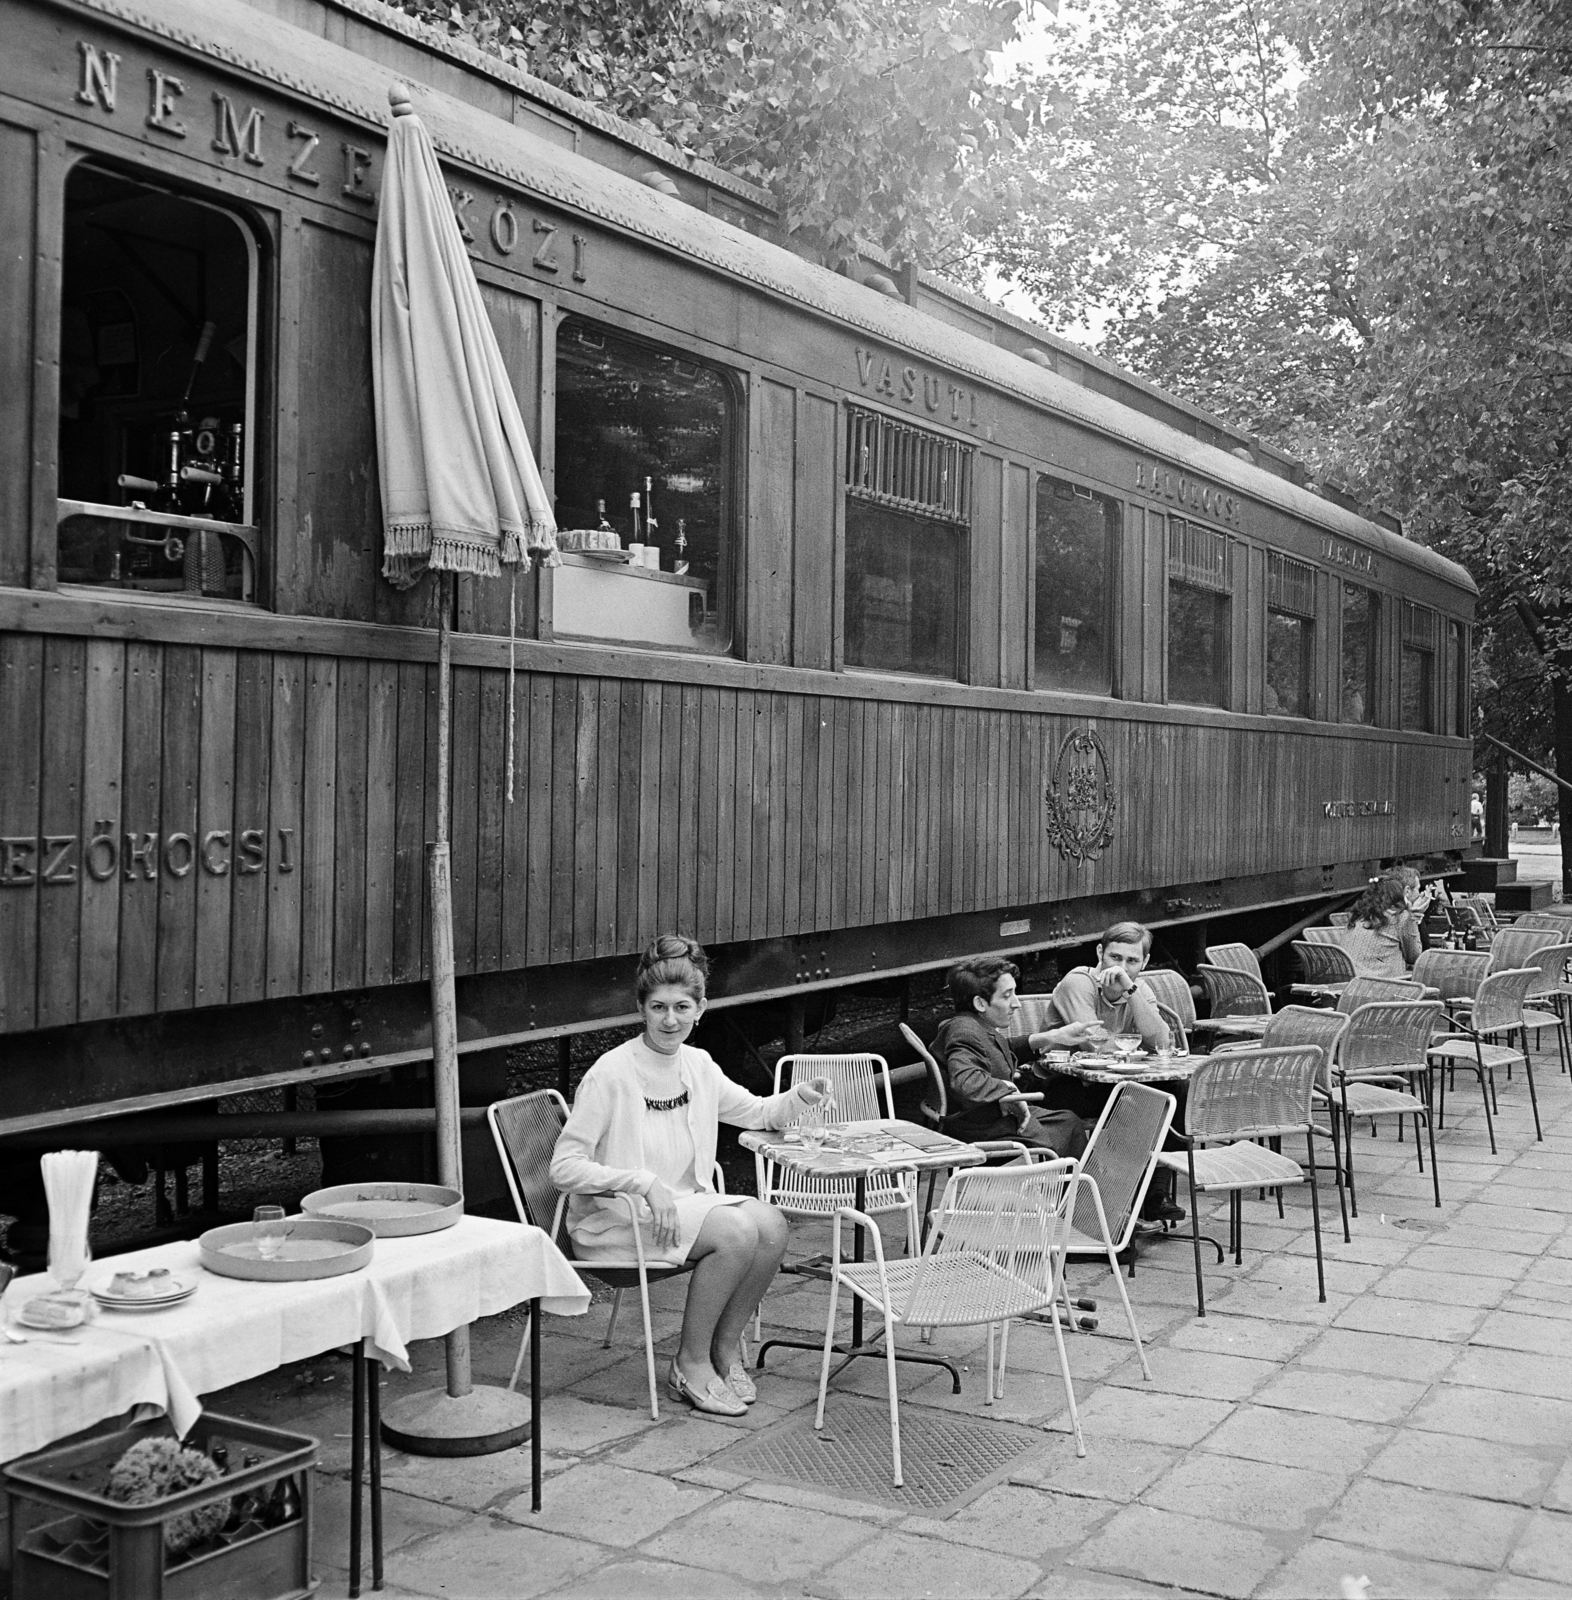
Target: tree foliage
1347,226
866,119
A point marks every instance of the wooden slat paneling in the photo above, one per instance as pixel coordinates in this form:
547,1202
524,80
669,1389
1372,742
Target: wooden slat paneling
318,824
284,825
21,717
59,814
18,222
491,801
772,490
176,867
103,733
986,557
1015,578
409,824
253,783
465,811
813,538
352,791
215,827
382,733
141,829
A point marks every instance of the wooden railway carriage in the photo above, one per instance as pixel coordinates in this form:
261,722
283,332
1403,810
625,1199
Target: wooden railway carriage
953,639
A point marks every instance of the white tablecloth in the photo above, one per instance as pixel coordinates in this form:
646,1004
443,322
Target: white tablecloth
232,1329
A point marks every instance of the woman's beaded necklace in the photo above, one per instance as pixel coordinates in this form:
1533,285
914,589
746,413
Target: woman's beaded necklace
676,1102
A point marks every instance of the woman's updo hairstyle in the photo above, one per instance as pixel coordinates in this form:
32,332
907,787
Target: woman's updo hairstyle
675,961
1380,902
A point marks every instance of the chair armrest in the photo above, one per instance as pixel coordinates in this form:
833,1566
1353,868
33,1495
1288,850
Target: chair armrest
1022,1097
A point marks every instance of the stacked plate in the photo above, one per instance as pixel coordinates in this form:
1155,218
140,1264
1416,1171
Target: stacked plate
170,1292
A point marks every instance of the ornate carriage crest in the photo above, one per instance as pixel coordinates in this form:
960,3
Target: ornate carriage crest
1080,798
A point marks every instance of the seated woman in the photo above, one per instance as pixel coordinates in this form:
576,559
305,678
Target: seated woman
1382,939
644,1122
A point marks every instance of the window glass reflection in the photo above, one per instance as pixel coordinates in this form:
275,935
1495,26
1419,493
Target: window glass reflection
1359,654
1286,692
643,493
902,580
1076,533
1198,622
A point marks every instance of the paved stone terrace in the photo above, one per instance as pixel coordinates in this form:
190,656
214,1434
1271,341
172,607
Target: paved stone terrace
1415,1430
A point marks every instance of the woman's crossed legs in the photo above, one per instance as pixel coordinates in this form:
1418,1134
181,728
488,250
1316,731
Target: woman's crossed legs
738,1252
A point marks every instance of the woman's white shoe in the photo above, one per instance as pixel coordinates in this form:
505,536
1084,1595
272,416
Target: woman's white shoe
715,1397
740,1384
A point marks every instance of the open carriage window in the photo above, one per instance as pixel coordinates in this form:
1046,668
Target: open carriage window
1290,636
1076,534
1457,635
157,391
1360,617
908,516
644,494
1200,613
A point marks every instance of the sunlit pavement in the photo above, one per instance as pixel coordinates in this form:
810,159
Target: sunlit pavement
1416,1429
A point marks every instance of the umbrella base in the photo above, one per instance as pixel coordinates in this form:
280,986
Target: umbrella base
433,1423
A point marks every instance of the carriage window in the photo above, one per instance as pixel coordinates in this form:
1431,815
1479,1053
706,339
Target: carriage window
1200,605
908,513
1076,533
1460,679
157,364
1360,614
644,493
1290,636
1417,671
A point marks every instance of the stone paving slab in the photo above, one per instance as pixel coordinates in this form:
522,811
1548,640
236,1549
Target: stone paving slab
1414,1430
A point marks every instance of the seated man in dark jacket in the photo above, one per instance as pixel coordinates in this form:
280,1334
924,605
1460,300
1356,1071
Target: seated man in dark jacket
979,1061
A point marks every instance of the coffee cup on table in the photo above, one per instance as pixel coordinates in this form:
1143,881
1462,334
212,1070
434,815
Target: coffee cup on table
652,557
636,554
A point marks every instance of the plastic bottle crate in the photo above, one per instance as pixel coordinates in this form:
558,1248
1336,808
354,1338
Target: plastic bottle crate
69,1542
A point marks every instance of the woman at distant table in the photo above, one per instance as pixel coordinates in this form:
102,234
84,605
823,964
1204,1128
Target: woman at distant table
1382,939
644,1122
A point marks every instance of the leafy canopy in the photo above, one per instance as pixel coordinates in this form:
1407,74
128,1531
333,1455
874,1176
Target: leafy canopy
1346,226
866,119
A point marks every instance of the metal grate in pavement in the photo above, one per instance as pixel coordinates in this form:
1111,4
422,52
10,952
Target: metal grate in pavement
946,1460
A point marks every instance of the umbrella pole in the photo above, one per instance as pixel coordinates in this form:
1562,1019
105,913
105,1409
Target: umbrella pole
444,1001
462,1420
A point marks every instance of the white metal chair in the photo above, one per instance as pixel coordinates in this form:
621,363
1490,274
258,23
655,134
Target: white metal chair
1233,1100
1172,989
1323,1028
1237,1000
525,1131
1325,969
1362,991
1116,1171
1037,1015
996,1251
861,1092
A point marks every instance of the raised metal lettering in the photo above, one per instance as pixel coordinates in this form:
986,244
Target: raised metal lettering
545,258
462,200
233,138
286,838
864,366
141,847
14,856
253,852
504,229
219,836
187,848
308,142
357,163
99,869
580,252
56,867
100,74
162,92
908,383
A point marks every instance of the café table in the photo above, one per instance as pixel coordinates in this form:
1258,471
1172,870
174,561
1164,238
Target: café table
232,1329
883,1145
1090,1067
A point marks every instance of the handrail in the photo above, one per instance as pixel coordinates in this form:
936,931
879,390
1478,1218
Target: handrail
1517,755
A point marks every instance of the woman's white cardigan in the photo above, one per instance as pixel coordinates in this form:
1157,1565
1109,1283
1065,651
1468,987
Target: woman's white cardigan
600,1151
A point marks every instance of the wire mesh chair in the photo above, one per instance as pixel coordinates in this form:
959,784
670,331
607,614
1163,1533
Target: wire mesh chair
1172,989
997,1251
525,1131
1497,1012
1363,991
1037,1015
1325,969
861,1092
1238,956
1233,1100
1388,1041
1483,910
1453,974
1546,999
1315,1025
1512,947
1178,1038
1238,1002
1116,1171
1550,921
1332,935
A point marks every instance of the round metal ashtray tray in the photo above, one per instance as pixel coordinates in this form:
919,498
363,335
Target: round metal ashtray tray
314,1247
390,1210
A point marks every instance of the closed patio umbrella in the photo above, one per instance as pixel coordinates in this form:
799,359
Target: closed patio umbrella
460,493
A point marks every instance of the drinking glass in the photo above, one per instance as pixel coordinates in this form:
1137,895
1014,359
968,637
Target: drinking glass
66,1266
268,1231
1126,1044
